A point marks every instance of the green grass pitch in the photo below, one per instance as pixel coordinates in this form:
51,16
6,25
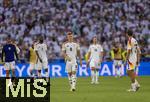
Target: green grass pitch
110,89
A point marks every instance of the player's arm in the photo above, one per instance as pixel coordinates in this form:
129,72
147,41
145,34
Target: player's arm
45,47
88,56
79,55
36,51
2,55
138,55
38,56
17,48
128,50
128,53
16,54
66,57
112,54
101,55
29,52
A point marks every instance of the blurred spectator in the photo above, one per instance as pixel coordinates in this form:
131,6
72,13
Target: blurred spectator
24,20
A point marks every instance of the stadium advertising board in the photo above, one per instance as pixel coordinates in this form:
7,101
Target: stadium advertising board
58,70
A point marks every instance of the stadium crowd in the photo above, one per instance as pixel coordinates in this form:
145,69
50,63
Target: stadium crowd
25,20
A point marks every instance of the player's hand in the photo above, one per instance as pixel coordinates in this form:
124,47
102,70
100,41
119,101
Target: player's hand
67,58
18,61
2,62
40,60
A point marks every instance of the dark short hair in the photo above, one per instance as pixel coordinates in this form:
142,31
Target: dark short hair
69,33
130,32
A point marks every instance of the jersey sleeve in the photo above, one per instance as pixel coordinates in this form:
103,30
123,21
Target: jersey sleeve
129,45
18,50
36,47
89,50
14,47
45,47
138,48
63,47
101,48
78,47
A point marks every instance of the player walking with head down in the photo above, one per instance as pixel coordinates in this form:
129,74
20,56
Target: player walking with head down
94,56
42,61
70,51
133,59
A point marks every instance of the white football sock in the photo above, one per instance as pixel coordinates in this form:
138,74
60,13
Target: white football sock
116,72
39,74
96,76
136,82
73,80
47,77
121,73
70,80
92,75
133,85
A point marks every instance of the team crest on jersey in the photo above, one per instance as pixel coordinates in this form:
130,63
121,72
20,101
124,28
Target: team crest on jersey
96,50
9,48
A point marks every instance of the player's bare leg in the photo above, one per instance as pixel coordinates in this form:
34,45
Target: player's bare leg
7,74
39,75
116,71
74,79
8,77
70,80
11,81
31,75
47,77
120,71
96,76
134,83
92,75
13,77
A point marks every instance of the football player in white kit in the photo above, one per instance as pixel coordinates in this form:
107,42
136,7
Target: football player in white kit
133,60
70,51
42,61
94,56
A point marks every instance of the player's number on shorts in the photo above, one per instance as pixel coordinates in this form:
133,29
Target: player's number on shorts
95,50
70,48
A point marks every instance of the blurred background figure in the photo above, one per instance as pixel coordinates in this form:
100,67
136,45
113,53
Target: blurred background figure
116,55
24,20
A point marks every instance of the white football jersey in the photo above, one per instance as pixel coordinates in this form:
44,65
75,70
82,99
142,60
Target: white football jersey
95,51
41,49
71,49
133,46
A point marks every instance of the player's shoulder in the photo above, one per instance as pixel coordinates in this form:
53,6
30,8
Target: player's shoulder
91,45
11,45
133,40
76,43
44,44
99,45
36,44
64,43
30,48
